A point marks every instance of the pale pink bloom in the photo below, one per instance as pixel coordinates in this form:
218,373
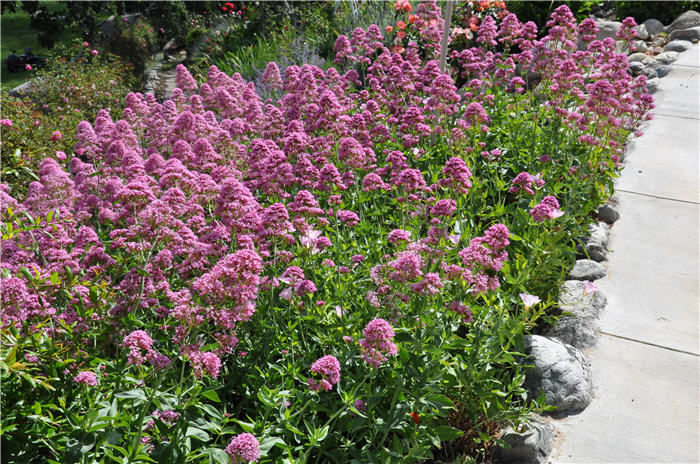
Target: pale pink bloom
556,213
529,300
455,238
309,239
286,294
589,287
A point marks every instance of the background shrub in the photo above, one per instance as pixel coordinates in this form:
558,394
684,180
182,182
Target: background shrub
74,86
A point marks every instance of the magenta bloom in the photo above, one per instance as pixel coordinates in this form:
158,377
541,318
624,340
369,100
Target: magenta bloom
6,122
378,344
86,378
399,235
548,208
28,67
136,341
56,134
523,182
244,448
348,217
328,368
205,362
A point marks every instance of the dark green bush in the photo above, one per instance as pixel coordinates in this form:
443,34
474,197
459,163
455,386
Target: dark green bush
134,41
665,12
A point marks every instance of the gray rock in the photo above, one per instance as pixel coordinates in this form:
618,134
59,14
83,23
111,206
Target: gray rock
642,33
560,372
636,67
659,41
667,57
572,294
650,72
685,21
594,245
578,324
639,46
654,26
637,56
653,84
663,70
577,327
607,29
22,90
587,269
677,46
692,34
607,212
530,444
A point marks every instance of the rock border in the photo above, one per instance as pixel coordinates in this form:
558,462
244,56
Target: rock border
560,370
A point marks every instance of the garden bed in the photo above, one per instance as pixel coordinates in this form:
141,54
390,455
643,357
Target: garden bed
343,269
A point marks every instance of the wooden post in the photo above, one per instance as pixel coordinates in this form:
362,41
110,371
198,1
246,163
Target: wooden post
445,34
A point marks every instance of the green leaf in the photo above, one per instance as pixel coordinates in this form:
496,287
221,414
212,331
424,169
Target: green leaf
212,411
216,456
199,434
269,442
137,396
211,395
447,433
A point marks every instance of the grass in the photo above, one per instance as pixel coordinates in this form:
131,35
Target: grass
17,35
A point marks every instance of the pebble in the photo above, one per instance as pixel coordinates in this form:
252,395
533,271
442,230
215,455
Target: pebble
677,46
667,57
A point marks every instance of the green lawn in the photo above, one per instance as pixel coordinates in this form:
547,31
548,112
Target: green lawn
17,35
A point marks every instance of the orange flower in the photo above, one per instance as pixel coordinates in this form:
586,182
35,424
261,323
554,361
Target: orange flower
412,18
402,5
401,25
415,417
389,29
401,34
397,49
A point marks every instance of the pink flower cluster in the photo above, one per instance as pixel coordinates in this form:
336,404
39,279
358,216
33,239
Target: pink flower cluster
138,341
524,182
328,368
548,208
377,345
86,378
243,449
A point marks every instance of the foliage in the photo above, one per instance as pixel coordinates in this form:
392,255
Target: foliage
341,272
134,41
539,12
665,12
288,32
73,87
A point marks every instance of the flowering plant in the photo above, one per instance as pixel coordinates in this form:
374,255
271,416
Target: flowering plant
334,274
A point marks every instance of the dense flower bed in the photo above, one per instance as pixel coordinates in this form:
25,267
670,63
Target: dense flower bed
342,273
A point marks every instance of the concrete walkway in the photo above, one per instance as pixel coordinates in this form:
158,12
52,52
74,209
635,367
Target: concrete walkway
646,365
